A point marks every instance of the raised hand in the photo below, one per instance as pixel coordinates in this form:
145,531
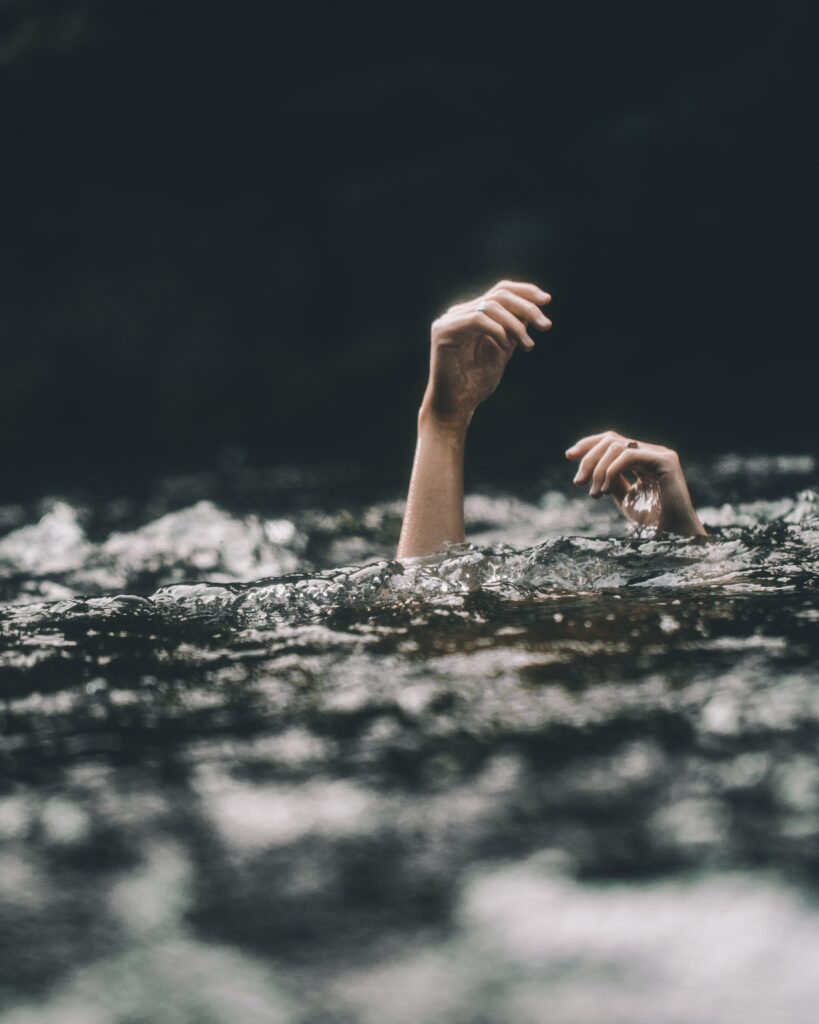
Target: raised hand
657,496
472,344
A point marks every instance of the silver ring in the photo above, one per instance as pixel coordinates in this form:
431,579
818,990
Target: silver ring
632,444
481,307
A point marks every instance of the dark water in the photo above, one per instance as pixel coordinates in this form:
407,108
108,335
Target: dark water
561,775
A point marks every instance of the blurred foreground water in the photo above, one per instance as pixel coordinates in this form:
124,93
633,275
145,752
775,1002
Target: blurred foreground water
560,775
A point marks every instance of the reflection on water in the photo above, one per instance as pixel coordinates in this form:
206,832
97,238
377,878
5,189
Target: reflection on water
558,775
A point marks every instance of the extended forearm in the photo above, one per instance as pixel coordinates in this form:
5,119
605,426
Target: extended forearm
471,345
435,504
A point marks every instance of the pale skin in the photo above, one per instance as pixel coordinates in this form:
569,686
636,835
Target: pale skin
657,495
471,345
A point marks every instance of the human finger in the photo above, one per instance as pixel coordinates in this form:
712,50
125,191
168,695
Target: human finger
470,321
526,290
484,324
590,460
522,308
613,451
589,451
630,458
579,448
514,327
530,292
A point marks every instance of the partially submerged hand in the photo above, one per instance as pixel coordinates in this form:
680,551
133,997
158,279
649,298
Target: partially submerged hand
656,496
473,342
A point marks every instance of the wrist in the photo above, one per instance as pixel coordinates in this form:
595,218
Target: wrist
678,512
452,424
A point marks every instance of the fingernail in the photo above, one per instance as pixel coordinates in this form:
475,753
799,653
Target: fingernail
545,296
576,479
604,489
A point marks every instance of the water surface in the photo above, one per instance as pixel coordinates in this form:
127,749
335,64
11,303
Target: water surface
254,769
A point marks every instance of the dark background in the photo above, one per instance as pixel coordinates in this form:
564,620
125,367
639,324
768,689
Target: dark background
226,226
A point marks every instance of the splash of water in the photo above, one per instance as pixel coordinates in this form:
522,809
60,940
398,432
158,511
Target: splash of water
755,546
561,765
